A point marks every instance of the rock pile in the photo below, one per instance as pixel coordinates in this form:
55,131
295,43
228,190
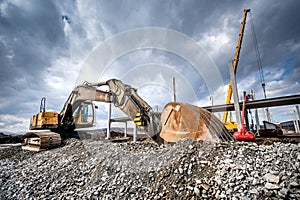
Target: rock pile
186,170
6,139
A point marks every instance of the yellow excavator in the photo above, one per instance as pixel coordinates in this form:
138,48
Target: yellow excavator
175,122
231,126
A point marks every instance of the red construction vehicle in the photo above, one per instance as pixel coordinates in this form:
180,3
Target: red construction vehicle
244,134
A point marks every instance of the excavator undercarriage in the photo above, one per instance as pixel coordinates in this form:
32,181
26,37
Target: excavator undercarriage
37,141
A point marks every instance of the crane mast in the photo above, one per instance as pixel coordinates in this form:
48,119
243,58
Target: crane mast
235,62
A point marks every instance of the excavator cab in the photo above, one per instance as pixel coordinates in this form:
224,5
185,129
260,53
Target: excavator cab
84,115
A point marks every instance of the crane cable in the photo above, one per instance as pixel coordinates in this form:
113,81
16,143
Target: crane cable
258,58
259,64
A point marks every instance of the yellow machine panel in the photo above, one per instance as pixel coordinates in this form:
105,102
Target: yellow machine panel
231,126
44,120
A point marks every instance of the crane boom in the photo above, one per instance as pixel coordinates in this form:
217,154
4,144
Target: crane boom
235,61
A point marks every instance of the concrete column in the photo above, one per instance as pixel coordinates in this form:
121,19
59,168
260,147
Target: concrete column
135,133
296,124
298,113
255,114
269,118
257,122
174,90
235,95
155,109
125,131
108,122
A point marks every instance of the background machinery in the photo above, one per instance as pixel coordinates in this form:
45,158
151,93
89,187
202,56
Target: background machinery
243,134
229,124
177,120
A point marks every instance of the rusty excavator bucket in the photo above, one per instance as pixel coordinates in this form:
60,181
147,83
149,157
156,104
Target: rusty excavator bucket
181,120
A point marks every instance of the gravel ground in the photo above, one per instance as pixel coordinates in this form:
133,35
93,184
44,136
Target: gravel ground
86,169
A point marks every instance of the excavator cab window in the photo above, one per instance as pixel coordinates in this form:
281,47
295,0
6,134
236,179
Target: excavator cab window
87,113
84,115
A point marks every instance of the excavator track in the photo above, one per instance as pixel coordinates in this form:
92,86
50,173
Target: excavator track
38,141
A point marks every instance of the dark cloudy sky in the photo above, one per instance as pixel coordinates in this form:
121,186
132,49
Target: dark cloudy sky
43,53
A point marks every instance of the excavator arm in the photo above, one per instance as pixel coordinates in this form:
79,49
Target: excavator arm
122,96
126,99
69,115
